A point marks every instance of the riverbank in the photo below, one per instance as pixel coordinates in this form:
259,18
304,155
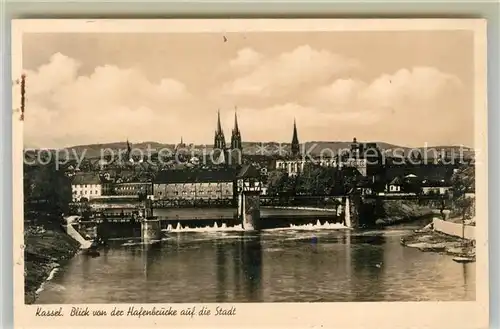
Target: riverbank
44,251
396,212
429,240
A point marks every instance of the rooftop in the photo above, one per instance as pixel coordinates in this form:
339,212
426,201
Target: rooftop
396,181
86,179
195,176
248,171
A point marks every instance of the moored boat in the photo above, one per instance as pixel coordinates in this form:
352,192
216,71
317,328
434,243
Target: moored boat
91,252
464,259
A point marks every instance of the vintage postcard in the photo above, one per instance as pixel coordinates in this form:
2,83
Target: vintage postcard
250,172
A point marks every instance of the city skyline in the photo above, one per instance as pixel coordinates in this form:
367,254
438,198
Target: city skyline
99,88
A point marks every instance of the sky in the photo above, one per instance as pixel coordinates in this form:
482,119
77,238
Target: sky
402,87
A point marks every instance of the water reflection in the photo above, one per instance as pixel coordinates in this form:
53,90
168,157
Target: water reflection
245,259
367,261
221,272
251,266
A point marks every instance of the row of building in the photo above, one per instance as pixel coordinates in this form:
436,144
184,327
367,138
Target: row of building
218,184
168,184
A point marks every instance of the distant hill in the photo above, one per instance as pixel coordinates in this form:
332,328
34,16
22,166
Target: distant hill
267,148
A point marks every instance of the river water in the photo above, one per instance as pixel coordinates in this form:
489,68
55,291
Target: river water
286,265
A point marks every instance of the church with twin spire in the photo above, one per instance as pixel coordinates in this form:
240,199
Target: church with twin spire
223,154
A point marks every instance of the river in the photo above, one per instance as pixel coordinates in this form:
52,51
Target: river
282,265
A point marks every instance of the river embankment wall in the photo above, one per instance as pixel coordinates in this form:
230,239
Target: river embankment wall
468,232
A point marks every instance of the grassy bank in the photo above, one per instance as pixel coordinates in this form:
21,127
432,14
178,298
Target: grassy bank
430,240
395,212
45,249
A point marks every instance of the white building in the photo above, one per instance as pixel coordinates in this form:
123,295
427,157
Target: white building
394,186
86,186
294,166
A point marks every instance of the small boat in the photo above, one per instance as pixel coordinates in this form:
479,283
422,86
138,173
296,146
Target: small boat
464,259
91,252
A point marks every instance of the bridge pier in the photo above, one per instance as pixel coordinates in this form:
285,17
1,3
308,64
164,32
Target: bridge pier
150,230
349,210
249,211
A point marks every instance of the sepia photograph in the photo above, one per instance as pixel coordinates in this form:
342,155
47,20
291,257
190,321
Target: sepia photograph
229,162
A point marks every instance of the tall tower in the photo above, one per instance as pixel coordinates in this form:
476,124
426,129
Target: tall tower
219,140
181,144
129,150
236,135
295,140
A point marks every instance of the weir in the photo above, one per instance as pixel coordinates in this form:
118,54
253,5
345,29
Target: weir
72,232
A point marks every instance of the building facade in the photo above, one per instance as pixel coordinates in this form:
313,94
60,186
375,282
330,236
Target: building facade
435,187
216,184
86,186
134,188
366,158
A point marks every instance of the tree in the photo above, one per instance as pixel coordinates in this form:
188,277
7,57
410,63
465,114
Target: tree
316,180
415,157
463,181
44,182
349,178
276,181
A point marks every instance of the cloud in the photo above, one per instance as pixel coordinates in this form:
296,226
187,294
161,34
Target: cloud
60,71
421,103
422,84
111,102
287,71
404,88
246,58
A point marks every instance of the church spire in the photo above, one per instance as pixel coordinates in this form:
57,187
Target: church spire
295,140
236,129
128,146
219,127
129,150
219,140
236,135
